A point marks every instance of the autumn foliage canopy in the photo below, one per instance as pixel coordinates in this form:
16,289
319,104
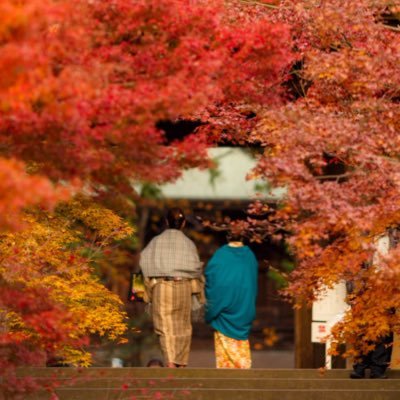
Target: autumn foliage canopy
335,148
83,88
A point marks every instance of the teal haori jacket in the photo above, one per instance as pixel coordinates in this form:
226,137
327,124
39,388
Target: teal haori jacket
231,291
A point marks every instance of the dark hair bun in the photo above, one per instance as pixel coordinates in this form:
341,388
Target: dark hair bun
175,218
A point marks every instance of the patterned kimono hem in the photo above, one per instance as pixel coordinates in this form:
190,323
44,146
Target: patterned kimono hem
231,353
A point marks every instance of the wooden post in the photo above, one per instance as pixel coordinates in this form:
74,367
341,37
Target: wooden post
304,354
395,363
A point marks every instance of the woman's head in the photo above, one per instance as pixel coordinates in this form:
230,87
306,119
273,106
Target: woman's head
175,218
234,236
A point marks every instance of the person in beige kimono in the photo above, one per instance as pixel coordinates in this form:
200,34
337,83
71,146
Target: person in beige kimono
173,275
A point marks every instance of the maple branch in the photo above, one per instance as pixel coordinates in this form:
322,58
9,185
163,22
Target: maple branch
392,28
268,5
338,176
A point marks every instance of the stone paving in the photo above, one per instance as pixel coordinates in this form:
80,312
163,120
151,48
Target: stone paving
270,359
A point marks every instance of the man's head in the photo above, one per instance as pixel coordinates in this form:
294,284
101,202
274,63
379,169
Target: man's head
175,218
155,363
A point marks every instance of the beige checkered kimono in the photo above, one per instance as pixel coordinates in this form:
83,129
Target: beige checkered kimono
168,256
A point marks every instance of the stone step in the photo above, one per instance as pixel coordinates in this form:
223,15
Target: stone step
223,383
210,384
197,373
220,394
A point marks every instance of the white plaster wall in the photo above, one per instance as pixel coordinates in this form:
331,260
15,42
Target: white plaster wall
233,166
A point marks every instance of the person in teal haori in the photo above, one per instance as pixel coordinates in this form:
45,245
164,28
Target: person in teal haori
231,292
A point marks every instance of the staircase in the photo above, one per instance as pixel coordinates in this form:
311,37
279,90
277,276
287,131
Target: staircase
210,384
